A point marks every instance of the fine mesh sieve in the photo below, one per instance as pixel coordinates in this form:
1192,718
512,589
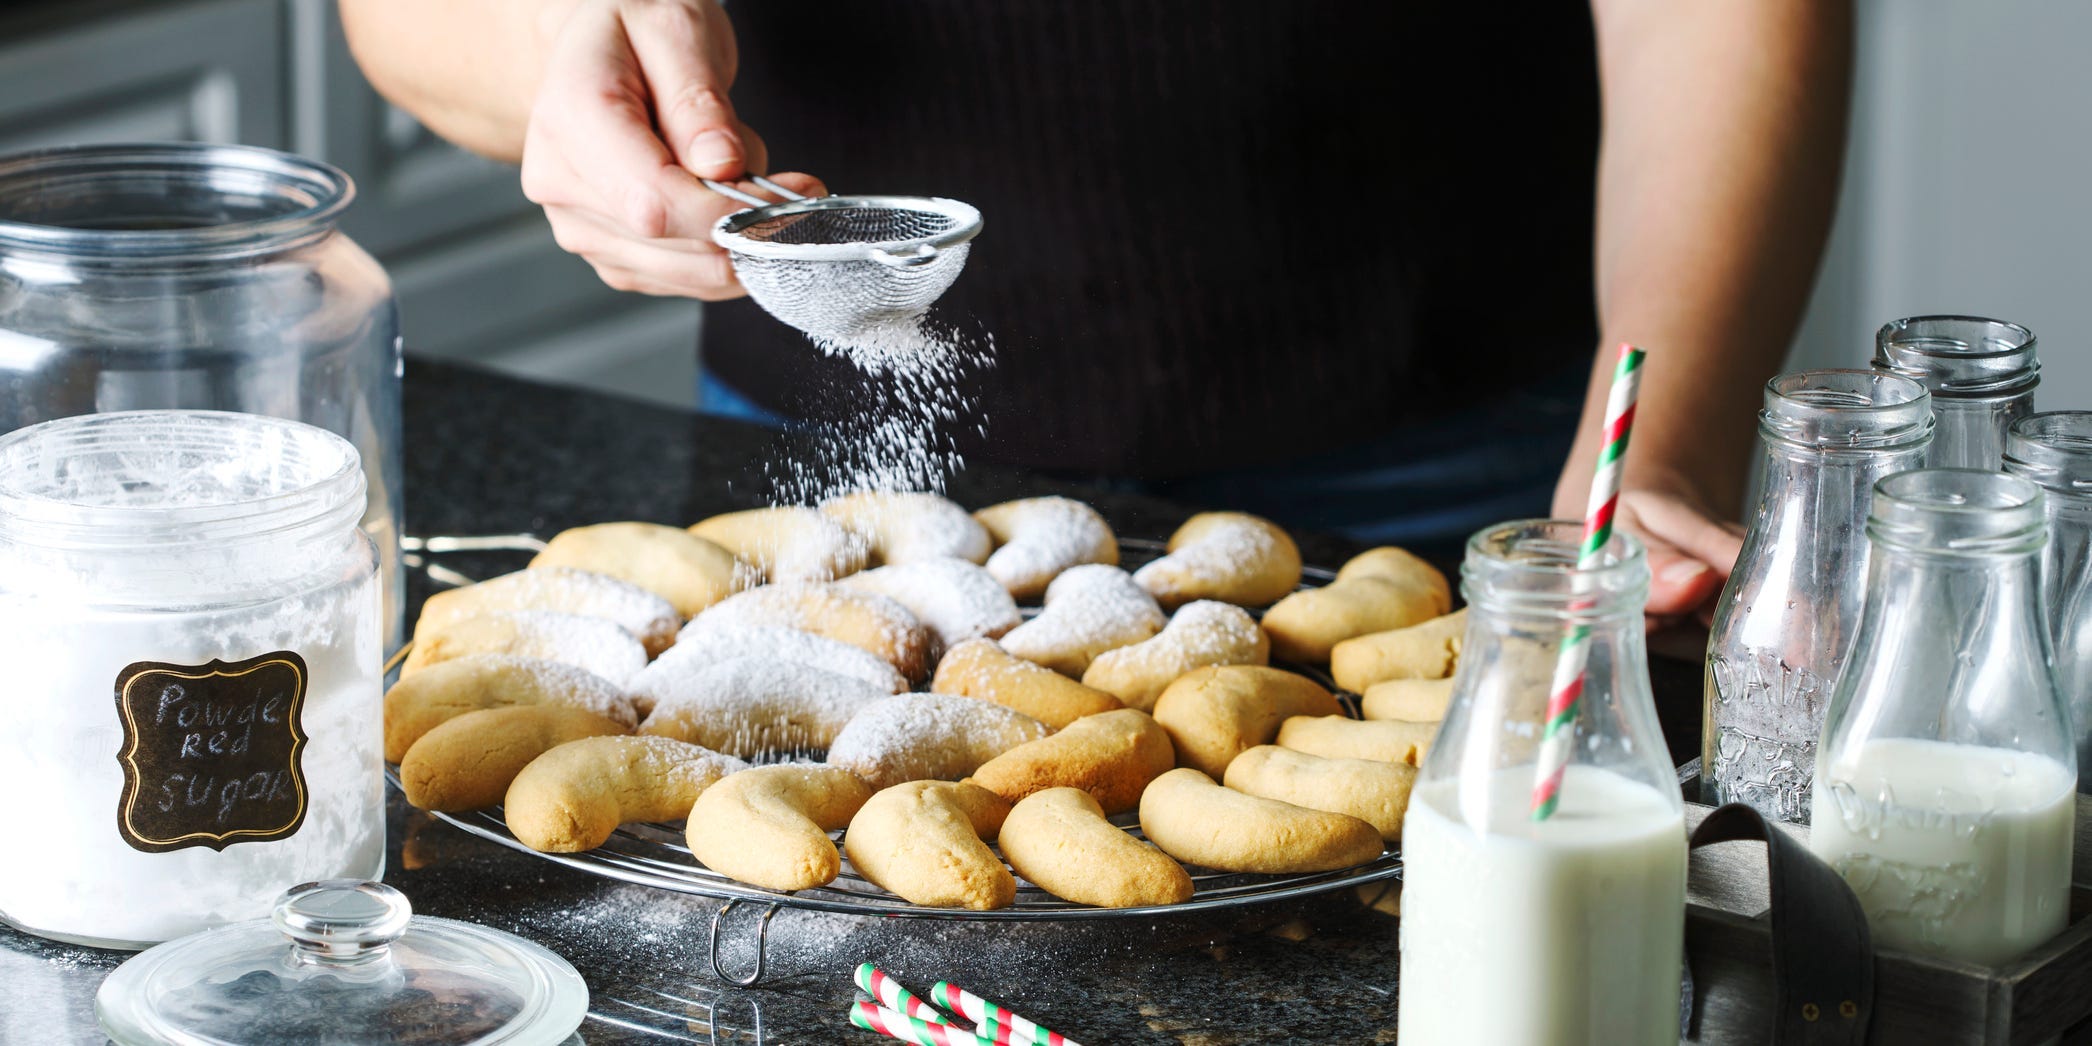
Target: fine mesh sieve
846,268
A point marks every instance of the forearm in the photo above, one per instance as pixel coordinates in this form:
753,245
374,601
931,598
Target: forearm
1724,130
467,69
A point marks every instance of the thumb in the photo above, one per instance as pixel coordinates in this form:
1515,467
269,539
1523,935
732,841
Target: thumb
687,60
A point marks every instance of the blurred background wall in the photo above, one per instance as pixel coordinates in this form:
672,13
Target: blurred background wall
1965,188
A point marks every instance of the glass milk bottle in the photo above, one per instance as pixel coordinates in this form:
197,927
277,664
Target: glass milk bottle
1792,604
1565,930
2054,450
1946,786
1981,374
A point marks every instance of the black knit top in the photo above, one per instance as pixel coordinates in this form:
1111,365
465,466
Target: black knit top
1217,232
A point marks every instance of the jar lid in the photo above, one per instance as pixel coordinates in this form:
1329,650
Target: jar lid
344,961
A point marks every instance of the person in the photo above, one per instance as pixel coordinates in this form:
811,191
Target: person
1341,264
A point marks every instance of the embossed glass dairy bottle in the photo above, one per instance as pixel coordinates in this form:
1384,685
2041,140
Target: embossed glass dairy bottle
1981,374
2054,450
1788,614
1946,786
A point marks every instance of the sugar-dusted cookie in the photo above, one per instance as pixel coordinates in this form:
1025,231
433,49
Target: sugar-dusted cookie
753,706
417,703
688,571
651,619
1089,609
904,528
786,543
1039,538
954,599
872,623
590,643
1198,634
1233,557
928,737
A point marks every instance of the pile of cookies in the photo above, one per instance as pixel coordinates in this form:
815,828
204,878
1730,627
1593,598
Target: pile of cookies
642,673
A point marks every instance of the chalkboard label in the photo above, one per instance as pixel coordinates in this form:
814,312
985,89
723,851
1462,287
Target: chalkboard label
212,753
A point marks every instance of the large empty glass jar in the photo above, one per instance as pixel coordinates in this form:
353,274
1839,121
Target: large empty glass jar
183,275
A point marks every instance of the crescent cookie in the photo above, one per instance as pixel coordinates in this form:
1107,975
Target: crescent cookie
1198,634
1417,700
786,543
1111,756
589,643
923,841
702,645
953,598
688,571
572,797
768,826
467,763
1233,557
752,706
1089,610
416,704
1039,538
874,624
904,528
1377,591
1373,791
1060,841
983,670
1214,714
1430,650
1336,737
928,737
1198,822
565,590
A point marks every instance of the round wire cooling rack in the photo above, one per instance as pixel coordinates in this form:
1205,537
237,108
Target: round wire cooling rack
655,854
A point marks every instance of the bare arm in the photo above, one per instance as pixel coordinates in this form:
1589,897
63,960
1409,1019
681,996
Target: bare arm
614,108
1724,130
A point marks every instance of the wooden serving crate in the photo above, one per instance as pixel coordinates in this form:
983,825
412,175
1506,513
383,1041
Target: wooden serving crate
1917,999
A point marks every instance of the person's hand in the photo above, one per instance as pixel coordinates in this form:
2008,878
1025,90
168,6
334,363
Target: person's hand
1691,550
631,111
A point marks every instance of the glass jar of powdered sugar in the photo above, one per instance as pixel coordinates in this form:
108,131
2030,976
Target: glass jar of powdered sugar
190,629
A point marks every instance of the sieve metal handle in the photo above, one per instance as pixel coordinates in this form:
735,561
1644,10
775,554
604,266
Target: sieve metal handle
730,192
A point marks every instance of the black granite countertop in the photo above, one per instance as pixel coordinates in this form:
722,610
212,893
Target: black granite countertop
487,455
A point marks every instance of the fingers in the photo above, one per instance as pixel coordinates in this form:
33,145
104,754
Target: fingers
1684,527
688,268
1679,583
686,57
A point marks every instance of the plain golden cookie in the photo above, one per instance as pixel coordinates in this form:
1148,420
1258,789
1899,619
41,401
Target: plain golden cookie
905,528
768,826
1198,634
571,798
1430,650
1233,557
417,703
928,737
1214,714
688,571
786,543
1336,737
1373,791
1417,700
1198,822
1039,538
1377,591
1111,756
467,763
1060,841
983,670
871,623
922,841
589,643
1089,609
564,590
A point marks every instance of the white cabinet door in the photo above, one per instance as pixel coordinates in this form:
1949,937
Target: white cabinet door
205,71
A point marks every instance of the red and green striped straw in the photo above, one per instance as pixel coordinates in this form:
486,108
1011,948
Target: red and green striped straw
993,1020
877,984
876,1018
1565,694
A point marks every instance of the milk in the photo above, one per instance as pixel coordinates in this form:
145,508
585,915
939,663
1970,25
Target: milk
1955,850
1563,931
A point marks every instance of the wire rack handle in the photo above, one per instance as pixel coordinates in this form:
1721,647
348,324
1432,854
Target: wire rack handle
762,945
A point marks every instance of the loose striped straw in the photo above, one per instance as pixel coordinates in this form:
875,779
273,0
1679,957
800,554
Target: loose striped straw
1565,694
876,1018
993,1020
891,995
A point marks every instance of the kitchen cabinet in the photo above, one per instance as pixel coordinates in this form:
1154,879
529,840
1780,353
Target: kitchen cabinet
478,276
